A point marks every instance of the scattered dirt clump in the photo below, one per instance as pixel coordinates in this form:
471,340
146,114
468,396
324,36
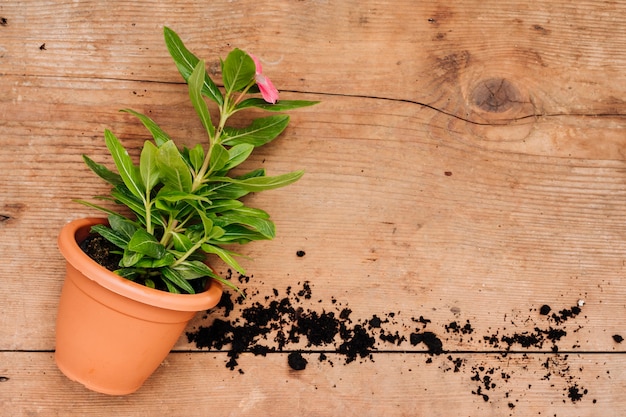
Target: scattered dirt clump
296,361
432,342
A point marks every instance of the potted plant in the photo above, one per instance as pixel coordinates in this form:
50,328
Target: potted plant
178,206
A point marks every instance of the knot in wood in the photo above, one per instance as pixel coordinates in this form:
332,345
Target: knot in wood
496,95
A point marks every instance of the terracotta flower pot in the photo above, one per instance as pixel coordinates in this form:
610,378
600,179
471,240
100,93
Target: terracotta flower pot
111,333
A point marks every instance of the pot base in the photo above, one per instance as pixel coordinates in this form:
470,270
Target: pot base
78,377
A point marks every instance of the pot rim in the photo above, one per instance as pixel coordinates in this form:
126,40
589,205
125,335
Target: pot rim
75,256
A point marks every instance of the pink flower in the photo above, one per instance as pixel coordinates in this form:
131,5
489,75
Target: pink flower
268,91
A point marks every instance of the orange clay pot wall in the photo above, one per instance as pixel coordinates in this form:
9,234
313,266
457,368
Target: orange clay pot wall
111,333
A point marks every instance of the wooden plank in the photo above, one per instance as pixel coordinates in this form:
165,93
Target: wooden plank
554,58
390,385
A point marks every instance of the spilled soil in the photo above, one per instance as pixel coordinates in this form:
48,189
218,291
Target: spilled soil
278,322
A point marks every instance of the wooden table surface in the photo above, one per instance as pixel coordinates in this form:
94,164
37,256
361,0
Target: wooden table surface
464,169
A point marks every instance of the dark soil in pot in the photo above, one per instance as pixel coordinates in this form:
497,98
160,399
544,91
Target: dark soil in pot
102,251
108,255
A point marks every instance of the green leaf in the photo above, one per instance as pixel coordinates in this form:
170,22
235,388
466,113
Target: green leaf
124,165
130,258
206,222
149,263
148,166
189,270
122,226
225,255
238,70
160,137
174,277
282,105
205,191
171,196
177,203
170,286
250,211
144,243
186,61
260,131
219,158
103,172
259,172
128,273
256,184
110,235
197,269
181,242
221,191
235,233
221,206
216,233
195,233
174,170
125,197
263,226
228,192
196,157
195,93
238,154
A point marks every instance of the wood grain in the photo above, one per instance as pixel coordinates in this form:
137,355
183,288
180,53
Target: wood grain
430,53
466,164
403,385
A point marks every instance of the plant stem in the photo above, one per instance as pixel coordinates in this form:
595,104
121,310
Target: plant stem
188,253
226,109
147,203
167,233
